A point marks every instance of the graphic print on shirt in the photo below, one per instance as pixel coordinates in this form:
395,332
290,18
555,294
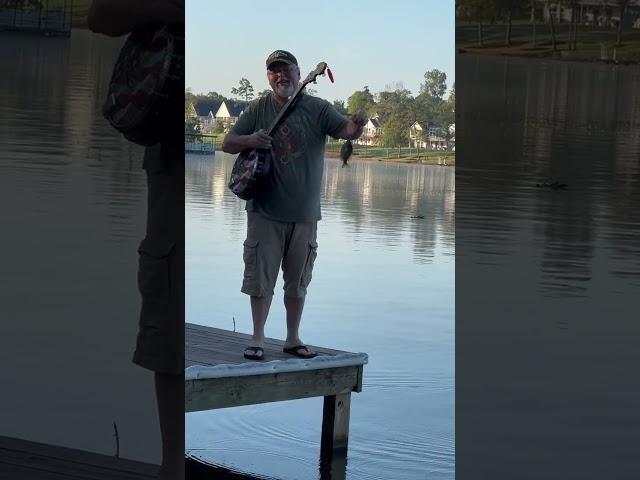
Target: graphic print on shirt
288,143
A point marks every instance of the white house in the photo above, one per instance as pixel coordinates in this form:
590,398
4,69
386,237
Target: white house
437,143
205,115
416,138
228,113
371,132
592,12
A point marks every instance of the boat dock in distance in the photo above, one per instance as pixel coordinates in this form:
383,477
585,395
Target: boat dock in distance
198,143
35,17
218,376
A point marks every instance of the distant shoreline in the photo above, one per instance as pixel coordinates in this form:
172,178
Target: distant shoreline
397,160
547,55
448,158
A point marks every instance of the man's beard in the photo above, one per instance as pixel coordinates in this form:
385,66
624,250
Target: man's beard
285,92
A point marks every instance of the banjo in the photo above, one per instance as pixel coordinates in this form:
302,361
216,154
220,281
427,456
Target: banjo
149,68
252,166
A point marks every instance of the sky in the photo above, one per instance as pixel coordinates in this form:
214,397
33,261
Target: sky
373,43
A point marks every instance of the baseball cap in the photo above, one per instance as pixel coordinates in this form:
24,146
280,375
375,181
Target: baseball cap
281,56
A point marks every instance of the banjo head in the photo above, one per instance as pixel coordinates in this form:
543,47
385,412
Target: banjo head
149,67
249,172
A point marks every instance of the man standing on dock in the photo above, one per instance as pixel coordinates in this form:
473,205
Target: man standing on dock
160,341
281,224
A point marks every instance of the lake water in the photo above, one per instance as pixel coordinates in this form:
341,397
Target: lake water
547,281
73,212
383,284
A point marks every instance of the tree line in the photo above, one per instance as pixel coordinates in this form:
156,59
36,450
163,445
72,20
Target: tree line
482,12
395,108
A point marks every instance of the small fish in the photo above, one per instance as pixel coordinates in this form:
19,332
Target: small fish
345,152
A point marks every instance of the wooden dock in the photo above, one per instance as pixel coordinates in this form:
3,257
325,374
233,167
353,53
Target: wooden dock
24,460
218,376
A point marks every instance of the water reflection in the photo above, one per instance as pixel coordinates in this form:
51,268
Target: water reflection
73,196
536,122
383,284
546,280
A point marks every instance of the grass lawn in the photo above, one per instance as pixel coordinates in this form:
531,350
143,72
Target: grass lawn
592,44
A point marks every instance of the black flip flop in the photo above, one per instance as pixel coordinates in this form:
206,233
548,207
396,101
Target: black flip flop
297,351
255,351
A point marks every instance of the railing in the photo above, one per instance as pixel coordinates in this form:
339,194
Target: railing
199,143
51,18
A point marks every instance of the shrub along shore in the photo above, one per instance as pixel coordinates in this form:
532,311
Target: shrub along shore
381,154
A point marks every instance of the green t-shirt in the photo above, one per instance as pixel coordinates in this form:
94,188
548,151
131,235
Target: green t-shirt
292,193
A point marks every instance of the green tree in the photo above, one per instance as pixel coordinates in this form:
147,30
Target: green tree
435,84
244,90
398,103
264,92
189,109
477,11
361,100
192,126
551,26
623,10
218,127
425,108
339,106
395,131
215,97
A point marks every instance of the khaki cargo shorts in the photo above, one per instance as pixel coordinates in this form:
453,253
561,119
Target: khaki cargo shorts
160,340
270,244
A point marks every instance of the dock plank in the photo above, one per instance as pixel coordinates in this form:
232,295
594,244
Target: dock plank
25,460
214,346
207,394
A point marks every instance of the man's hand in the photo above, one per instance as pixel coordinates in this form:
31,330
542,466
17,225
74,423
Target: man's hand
360,118
260,139
233,143
353,128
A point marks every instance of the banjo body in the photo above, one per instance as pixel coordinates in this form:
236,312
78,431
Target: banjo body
149,69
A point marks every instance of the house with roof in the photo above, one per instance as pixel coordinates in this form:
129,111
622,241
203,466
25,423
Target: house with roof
432,137
205,111
371,132
591,12
451,144
416,136
229,112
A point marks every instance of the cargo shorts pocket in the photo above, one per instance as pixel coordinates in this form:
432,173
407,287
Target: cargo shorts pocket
305,280
250,257
154,281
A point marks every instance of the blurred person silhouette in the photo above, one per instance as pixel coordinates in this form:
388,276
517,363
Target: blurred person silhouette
160,339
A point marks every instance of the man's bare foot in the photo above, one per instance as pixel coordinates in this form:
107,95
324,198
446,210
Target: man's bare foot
254,353
255,350
297,348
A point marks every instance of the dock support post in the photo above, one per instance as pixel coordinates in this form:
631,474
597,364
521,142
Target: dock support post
335,423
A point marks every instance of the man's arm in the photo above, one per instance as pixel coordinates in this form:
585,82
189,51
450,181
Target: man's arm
119,17
354,126
234,143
